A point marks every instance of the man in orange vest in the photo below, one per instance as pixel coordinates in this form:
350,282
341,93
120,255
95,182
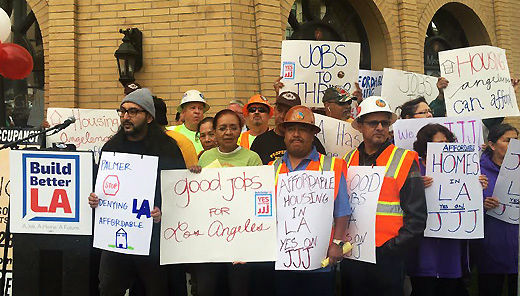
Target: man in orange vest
401,208
299,131
257,112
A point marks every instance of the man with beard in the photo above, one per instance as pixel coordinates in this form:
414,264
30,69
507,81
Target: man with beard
192,109
401,207
139,134
257,113
270,144
299,130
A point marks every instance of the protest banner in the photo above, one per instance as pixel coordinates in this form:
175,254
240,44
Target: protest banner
4,207
125,185
91,130
304,204
400,87
49,191
468,130
370,82
363,185
507,187
11,134
454,200
337,136
479,82
220,215
308,68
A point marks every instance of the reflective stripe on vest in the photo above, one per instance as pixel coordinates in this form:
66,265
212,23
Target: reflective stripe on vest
392,167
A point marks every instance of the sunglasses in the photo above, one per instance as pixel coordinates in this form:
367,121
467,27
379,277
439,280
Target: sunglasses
259,109
376,123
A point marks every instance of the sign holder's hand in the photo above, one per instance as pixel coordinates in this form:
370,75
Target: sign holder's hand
345,249
156,214
93,200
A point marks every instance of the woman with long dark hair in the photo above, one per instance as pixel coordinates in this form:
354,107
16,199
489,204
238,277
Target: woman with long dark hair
496,255
437,265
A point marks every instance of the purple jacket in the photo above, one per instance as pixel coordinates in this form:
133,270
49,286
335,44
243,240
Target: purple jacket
438,257
497,252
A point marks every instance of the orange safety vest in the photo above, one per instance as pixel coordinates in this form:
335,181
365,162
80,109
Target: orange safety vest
389,214
243,140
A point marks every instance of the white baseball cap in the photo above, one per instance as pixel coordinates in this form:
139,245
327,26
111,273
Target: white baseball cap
193,95
373,104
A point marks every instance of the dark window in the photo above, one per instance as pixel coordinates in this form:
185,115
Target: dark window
328,20
444,32
18,97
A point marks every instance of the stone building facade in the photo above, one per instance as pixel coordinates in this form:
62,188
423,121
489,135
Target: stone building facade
231,48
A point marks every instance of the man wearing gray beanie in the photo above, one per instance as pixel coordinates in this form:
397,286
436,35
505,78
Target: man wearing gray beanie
139,134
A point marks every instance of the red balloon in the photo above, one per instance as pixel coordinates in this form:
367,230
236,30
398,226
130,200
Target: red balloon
15,61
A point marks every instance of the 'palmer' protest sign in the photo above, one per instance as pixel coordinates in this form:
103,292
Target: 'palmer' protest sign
507,187
401,86
337,136
229,209
91,130
49,191
363,185
468,130
305,203
454,200
125,186
310,67
480,83
370,82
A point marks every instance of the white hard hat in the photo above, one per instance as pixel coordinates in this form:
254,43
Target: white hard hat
193,95
373,104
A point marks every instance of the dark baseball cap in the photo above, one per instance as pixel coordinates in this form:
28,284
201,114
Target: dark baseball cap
337,95
288,98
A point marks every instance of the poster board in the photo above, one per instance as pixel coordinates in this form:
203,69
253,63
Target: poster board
91,130
229,209
337,136
308,68
305,204
49,191
467,130
479,82
363,185
507,187
125,185
454,200
4,212
370,82
400,87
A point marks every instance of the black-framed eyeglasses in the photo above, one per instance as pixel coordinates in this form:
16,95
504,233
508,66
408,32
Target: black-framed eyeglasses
131,112
376,123
259,109
424,112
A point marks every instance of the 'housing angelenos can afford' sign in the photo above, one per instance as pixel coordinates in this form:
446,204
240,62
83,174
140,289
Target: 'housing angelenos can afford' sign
49,192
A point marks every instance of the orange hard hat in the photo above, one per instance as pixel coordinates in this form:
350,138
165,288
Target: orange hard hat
257,99
300,114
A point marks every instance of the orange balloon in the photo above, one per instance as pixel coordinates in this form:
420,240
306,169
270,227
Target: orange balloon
15,61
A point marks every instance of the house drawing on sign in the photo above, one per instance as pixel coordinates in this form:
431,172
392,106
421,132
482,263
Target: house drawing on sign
448,66
121,239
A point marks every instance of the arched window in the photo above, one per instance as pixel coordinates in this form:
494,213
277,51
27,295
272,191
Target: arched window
444,32
328,20
18,97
